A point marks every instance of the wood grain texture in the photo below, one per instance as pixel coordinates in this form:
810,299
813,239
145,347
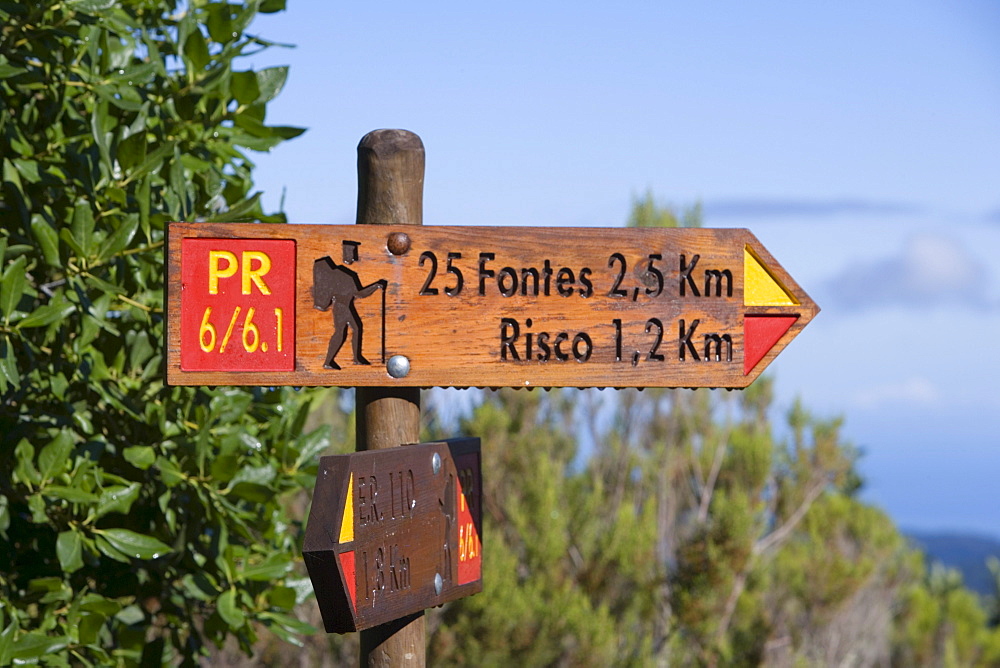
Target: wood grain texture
387,417
390,192
390,178
596,283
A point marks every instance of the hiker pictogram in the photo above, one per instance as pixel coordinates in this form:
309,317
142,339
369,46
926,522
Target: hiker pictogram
335,286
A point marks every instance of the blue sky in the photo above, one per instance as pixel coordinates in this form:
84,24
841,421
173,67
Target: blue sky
859,141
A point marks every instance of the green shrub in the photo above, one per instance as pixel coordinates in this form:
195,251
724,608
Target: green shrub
137,521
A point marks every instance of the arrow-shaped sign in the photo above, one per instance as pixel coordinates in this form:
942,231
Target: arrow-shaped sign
363,305
392,532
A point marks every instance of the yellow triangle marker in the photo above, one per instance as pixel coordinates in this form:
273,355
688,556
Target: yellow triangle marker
760,288
347,523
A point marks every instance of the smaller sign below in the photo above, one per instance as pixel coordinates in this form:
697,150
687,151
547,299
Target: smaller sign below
393,532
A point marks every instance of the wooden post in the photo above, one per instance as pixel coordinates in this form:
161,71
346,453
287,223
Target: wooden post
390,192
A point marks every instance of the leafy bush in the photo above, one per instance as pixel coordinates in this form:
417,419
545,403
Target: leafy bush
136,520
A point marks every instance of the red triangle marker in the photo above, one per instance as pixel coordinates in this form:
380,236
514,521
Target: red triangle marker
760,333
347,568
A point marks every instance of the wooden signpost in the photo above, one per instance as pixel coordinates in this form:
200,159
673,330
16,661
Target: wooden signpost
389,306
475,306
395,531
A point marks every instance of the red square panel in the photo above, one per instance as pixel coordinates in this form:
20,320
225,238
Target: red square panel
237,305
470,518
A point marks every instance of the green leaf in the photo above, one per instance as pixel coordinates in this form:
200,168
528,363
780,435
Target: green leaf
25,471
200,586
4,521
130,615
7,70
71,494
244,87
229,611
48,240
117,499
220,22
91,6
196,50
169,471
270,81
90,626
138,75
224,467
143,194
82,418
284,634
262,144
98,119
97,603
11,175
7,642
120,238
67,235
282,597
132,150
28,169
37,645
104,286
253,492
38,508
59,386
139,456
69,550
54,457
12,286
46,315
272,569
271,134
140,350
83,226
136,545
288,622
153,162
252,483
311,445
247,209
109,550
9,375
271,6
48,584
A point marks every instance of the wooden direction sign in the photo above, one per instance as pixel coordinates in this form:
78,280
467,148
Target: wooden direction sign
376,305
392,532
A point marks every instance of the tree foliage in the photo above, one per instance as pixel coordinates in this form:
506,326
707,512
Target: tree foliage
137,520
678,527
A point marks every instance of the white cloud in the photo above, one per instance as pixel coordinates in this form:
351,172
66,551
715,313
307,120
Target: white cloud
914,391
930,270
935,266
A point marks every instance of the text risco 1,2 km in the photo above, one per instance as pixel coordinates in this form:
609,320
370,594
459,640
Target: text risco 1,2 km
430,306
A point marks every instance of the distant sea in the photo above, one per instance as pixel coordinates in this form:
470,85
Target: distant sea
965,552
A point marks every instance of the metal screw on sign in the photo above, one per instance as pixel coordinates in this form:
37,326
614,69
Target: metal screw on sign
436,463
398,243
398,366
